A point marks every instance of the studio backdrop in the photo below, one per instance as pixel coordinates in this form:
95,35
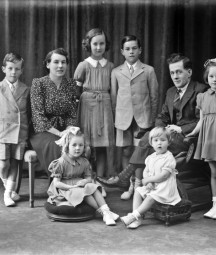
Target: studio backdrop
33,27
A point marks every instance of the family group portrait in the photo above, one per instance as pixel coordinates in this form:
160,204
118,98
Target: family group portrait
107,127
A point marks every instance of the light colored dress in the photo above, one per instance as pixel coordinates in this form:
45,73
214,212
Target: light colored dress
95,112
206,145
165,192
70,171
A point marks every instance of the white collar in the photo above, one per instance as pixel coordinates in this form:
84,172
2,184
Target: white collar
94,62
134,65
11,86
184,88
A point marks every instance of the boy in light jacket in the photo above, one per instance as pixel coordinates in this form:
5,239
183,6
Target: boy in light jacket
14,124
134,95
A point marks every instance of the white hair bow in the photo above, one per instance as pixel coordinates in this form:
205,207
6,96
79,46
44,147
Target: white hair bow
63,139
209,61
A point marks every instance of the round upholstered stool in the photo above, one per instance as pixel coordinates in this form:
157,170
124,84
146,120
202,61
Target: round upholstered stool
67,213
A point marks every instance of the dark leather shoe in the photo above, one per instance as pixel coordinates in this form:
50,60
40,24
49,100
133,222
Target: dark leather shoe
112,182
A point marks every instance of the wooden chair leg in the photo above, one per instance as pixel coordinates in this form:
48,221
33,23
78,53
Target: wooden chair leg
31,185
19,176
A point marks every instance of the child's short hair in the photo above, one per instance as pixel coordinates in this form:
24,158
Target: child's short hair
207,65
176,57
86,42
157,132
59,51
128,38
14,58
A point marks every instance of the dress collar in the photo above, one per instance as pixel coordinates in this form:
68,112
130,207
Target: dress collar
94,62
72,161
210,91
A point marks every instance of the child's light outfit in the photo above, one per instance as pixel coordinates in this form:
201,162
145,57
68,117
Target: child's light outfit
95,112
14,128
134,100
70,171
206,145
14,113
165,192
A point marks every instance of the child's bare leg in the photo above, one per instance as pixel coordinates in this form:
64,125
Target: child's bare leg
11,181
4,170
147,204
134,219
100,161
212,212
108,216
91,201
212,165
12,175
111,167
137,200
99,198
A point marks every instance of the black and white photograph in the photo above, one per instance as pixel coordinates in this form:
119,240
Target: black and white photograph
108,127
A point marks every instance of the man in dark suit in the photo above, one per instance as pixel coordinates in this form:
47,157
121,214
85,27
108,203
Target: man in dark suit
179,114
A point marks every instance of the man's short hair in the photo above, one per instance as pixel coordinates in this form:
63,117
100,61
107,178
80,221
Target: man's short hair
176,57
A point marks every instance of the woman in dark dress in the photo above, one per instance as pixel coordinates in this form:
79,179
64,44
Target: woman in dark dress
54,107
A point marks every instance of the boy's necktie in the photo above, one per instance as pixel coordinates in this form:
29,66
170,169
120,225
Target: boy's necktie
13,88
131,70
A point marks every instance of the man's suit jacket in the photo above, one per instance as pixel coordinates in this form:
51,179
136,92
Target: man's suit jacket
134,96
14,113
189,114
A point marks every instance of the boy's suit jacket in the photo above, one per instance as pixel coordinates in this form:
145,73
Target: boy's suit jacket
14,113
189,114
134,96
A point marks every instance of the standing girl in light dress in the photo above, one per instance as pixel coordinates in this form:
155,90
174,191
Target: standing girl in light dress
159,179
95,113
72,182
206,145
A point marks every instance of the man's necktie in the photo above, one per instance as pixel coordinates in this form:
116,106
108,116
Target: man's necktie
131,70
177,96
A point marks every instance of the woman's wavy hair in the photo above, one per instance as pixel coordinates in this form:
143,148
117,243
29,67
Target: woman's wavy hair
86,42
59,51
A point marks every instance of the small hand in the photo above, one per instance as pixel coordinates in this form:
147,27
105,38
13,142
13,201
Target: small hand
174,128
81,183
145,181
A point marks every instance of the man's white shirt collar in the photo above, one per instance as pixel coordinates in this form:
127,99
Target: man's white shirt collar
94,62
183,90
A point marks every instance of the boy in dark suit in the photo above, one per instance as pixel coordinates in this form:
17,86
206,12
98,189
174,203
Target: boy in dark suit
14,105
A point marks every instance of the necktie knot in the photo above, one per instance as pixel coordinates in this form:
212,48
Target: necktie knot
178,91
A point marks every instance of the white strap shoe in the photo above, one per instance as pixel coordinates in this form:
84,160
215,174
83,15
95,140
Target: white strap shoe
8,201
108,219
15,197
